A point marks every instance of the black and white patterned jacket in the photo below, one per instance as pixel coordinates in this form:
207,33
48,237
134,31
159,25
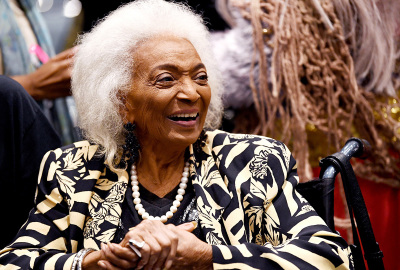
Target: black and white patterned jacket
248,208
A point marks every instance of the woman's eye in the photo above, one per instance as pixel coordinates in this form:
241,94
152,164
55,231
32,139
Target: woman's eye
202,77
165,79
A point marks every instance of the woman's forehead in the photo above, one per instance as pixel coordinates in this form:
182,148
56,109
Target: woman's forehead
165,50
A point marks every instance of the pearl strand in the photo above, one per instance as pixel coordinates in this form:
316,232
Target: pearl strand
175,204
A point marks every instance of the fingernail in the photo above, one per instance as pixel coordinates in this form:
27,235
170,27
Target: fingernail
168,264
111,246
194,224
102,264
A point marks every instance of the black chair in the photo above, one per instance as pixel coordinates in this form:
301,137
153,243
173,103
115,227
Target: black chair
319,194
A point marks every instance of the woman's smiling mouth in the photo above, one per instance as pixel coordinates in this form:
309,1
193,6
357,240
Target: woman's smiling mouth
185,117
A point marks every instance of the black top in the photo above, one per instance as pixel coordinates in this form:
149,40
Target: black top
157,206
25,136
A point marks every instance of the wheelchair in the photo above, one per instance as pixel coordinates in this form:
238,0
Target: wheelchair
320,194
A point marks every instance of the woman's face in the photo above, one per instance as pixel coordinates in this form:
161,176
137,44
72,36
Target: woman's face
170,94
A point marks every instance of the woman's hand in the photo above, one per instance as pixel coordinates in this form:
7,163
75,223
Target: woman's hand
158,252
160,247
51,80
111,257
166,247
192,253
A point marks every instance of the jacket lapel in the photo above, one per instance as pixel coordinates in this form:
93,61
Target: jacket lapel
105,209
212,196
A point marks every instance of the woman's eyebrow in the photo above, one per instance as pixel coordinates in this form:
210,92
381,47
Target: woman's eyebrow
199,66
165,66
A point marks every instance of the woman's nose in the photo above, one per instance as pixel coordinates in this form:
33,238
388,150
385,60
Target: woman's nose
188,91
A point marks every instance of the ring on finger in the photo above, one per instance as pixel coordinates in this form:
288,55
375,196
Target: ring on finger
136,246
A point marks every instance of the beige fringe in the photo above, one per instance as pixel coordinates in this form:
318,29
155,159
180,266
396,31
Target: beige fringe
313,84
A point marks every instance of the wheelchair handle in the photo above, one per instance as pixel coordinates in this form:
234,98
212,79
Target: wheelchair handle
354,147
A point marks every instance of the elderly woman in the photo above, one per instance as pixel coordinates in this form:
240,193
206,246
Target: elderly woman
150,189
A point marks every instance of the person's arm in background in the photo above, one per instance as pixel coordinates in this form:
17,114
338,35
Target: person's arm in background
51,80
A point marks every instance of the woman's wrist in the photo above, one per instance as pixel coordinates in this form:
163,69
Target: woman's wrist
90,260
206,257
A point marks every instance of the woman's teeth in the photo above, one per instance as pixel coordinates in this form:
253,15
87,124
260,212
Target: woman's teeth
184,117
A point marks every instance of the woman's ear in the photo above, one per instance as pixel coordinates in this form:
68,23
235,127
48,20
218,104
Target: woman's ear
125,109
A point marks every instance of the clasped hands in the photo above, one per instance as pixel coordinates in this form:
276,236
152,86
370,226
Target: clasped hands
166,247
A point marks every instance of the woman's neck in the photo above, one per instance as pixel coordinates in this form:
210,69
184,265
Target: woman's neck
160,172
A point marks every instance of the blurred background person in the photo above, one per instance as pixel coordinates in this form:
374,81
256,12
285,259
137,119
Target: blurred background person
29,128
27,55
25,136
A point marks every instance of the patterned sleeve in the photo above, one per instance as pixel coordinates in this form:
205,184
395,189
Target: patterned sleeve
283,230
42,241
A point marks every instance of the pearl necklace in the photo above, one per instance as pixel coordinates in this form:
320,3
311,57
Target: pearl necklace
175,204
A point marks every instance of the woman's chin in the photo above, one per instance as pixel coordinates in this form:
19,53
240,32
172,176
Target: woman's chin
184,139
